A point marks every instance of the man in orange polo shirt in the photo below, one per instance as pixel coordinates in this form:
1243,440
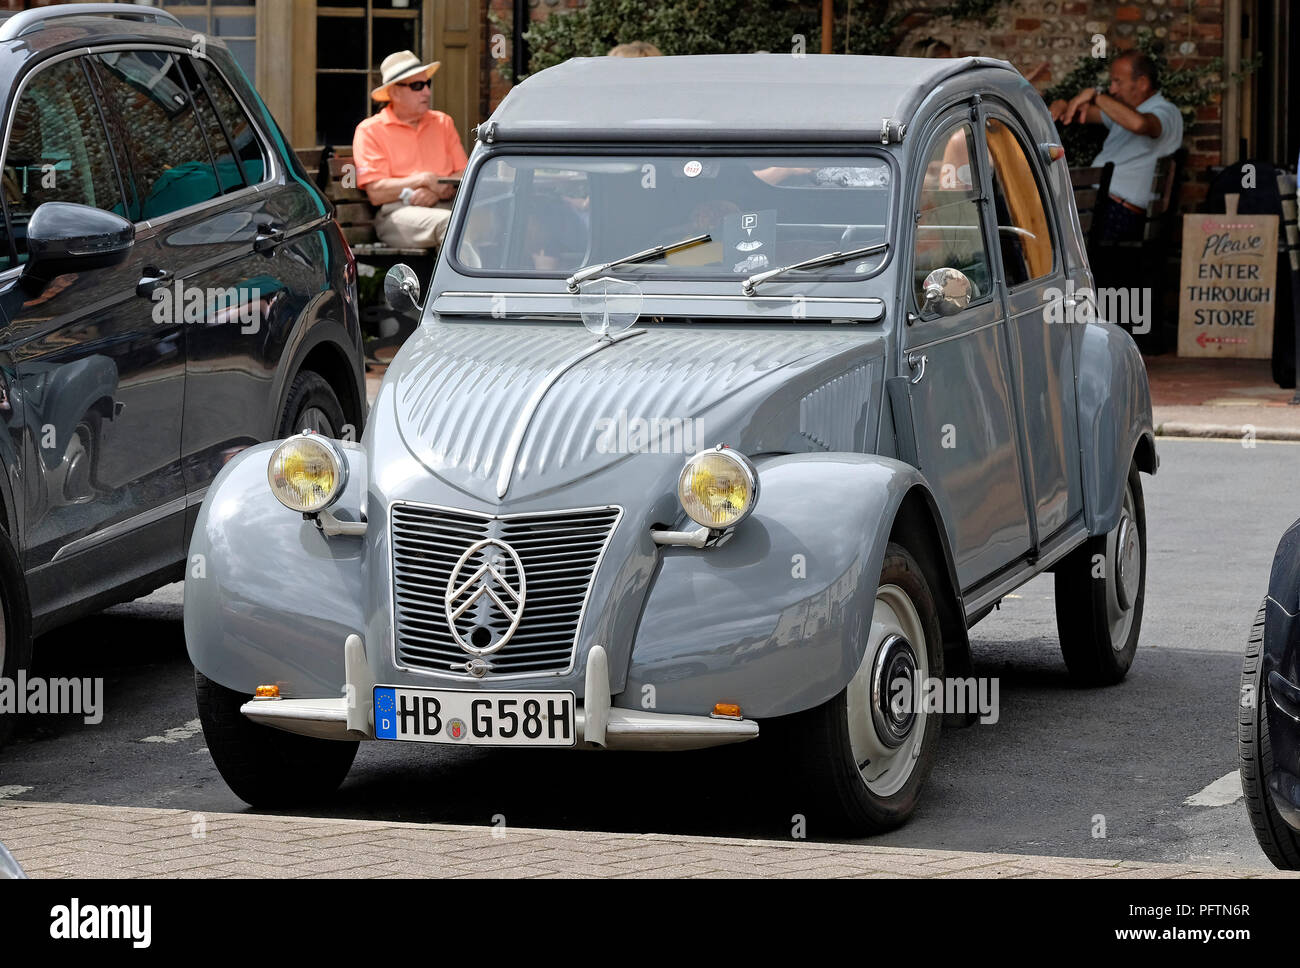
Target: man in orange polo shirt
402,151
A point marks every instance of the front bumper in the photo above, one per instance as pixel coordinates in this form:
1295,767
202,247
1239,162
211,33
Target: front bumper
599,724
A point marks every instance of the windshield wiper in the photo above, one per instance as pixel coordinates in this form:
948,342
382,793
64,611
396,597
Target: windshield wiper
586,272
750,285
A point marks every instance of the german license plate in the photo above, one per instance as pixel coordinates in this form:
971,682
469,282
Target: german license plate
471,718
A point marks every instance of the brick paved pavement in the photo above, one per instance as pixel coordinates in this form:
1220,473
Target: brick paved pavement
76,840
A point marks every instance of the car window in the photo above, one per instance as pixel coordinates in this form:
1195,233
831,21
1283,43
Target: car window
58,149
1023,233
554,214
170,161
949,226
247,146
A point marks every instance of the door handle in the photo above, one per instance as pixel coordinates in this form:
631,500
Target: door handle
269,236
917,362
151,280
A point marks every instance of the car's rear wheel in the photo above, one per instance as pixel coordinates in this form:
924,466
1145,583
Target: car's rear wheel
15,625
1100,588
311,405
1280,843
265,766
862,757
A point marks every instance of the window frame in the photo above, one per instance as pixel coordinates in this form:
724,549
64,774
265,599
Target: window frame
998,110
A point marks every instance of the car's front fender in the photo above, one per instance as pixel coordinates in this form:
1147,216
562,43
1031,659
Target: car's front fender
776,620
252,562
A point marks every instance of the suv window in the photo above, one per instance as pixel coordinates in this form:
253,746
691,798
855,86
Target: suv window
172,165
247,146
58,149
1023,233
949,227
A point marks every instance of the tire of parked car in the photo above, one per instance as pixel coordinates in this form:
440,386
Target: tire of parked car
265,766
860,759
16,645
1100,588
1280,843
312,405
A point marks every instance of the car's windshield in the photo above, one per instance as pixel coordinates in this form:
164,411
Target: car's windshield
551,215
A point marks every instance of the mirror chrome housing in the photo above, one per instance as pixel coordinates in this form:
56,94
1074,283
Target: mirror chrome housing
67,237
946,291
402,289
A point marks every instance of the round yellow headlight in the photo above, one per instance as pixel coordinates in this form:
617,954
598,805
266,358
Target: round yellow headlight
307,473
718,488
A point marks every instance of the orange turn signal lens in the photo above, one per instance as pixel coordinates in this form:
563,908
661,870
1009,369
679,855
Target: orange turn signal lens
726,709
267,692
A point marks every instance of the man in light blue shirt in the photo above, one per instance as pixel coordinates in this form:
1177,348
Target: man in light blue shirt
1143,127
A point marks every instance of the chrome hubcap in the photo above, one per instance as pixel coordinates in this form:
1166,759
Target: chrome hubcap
893,691
886,724
317,421
1124,572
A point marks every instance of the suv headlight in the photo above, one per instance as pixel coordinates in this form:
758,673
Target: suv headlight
307,473
718,488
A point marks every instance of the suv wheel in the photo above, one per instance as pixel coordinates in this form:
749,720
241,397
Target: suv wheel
312,405
15,626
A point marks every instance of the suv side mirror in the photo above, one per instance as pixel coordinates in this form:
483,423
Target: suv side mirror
402,289
66,237
945,291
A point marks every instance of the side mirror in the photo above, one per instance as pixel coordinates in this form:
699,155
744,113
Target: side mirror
946,291
66,237
402,289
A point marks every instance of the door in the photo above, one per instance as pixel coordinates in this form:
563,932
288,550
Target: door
1040,317
98,379
961,394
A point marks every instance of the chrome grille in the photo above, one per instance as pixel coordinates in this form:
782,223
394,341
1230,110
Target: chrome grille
559,552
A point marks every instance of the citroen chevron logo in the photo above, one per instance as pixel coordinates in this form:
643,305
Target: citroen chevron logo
491,562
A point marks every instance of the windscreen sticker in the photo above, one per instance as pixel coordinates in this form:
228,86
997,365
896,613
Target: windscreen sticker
749,238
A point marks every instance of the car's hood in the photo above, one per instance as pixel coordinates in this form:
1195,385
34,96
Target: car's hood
469,395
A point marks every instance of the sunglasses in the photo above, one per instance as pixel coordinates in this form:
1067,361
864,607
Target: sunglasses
417,85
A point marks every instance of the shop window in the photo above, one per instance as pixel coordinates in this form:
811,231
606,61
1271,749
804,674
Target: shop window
352,38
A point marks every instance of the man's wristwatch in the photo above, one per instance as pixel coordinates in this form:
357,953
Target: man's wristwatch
407,195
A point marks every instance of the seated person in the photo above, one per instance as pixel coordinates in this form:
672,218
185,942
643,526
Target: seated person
402,151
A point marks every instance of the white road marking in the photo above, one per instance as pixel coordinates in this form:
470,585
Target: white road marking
12,791
1223,791
176,734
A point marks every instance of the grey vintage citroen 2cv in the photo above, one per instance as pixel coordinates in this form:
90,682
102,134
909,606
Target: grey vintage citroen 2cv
746,384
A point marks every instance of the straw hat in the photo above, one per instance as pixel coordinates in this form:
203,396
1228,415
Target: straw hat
402,66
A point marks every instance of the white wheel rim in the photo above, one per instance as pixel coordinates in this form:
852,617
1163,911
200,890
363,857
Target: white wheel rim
885,769
1123,566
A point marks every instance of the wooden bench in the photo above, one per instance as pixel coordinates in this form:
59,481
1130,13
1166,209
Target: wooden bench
1091,196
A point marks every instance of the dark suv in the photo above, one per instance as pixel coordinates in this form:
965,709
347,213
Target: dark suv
173,289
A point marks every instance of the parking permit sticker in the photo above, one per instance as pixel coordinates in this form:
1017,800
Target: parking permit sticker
692,168
749,238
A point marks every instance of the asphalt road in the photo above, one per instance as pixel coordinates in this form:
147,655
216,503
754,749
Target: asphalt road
1038,781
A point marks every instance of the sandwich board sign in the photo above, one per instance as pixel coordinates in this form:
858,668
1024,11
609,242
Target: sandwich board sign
1228,285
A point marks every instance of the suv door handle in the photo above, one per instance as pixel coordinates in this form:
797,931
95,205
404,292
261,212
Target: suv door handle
151,280
269,235
917,362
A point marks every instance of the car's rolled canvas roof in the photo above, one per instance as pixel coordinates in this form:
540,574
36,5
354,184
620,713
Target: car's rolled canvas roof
729,97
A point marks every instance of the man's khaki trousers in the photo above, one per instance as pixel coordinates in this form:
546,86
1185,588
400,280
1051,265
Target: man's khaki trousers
411,226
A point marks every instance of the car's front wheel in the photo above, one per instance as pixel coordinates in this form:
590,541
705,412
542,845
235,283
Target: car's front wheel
312,405
1100,588
862,757
1280,843
265,766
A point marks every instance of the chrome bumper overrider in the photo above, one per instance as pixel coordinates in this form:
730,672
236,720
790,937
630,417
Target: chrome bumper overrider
599,723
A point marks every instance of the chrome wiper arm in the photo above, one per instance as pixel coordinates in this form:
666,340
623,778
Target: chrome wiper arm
586,272
750,285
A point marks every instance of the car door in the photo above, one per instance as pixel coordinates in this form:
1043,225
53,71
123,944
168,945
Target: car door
1033,273
196,162
98,381
961,393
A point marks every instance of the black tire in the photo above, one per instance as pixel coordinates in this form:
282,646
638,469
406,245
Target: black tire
1280,843
1087,594
265,766
309,397
16,647
820,769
